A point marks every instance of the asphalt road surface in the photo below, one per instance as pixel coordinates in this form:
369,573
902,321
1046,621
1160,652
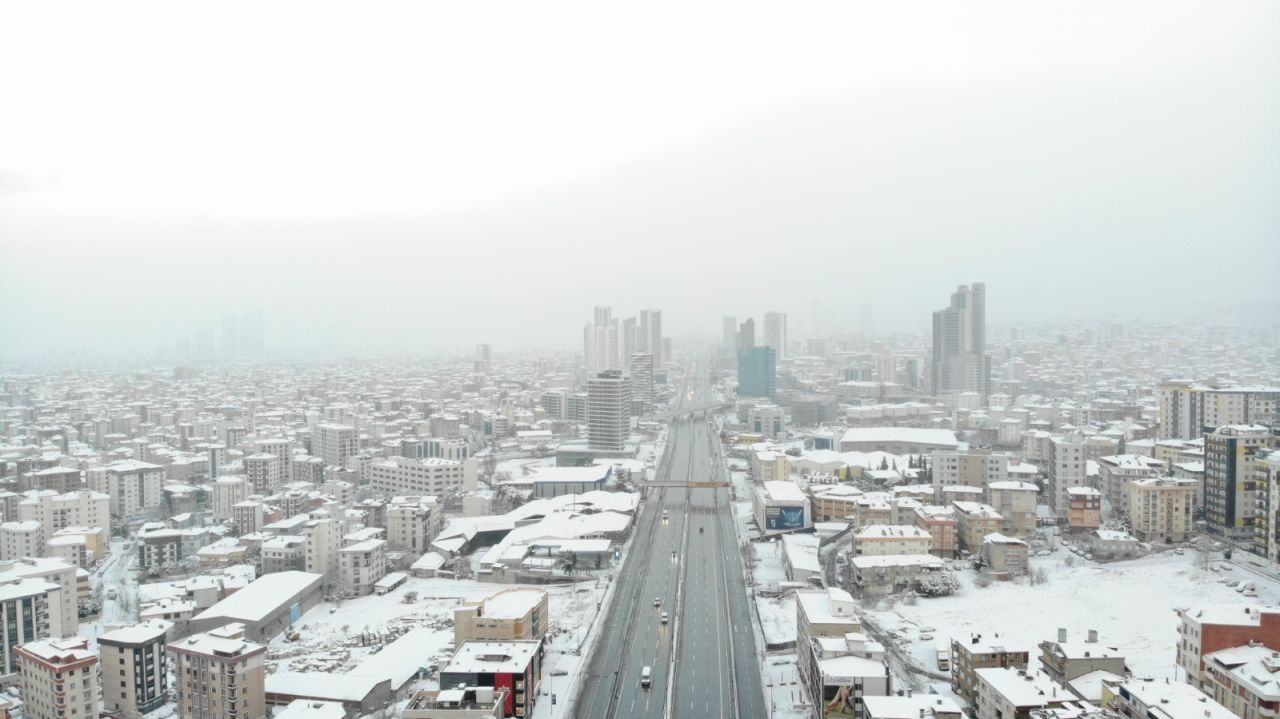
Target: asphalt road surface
703,662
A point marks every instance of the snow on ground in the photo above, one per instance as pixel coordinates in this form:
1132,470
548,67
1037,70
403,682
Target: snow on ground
1130,603
768,570
336,636
777,618
787,699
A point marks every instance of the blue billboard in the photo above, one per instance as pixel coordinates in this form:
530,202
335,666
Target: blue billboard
783,518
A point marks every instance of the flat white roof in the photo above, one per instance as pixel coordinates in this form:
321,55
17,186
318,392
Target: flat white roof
263,596
911,435
490,657
897,560
783,491
334,687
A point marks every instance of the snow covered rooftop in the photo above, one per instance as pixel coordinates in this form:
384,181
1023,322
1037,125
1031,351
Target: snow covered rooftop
1014,484
263,596
908,707
312,709
909,435
512,603
480,657
783,491
1025,689
146,632
1176,700
873,531
325,686
897,560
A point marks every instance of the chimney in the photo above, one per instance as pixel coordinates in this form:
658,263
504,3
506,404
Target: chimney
1062,634
1093,636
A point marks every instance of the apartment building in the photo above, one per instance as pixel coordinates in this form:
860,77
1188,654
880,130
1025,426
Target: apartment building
943,528
1162,509
430,476
63,615
334,443
1005,693
25,610
266,472
412,523
1067,470
833,502
1188,409
134,487
1267,530
21,539
227,493
1084,509
968,655
1206,630
323,540
1230,479
1115,472
1064,661
976,521
59,511
974,468
135,677
1015,501
1149,698
886,539
219,675
770,466
1245,680
828,614
360,565
59,679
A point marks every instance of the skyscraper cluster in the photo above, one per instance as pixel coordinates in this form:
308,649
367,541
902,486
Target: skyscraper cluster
959,361
609,343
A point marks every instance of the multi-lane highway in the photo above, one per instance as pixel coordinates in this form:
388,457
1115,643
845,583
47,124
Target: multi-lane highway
703,661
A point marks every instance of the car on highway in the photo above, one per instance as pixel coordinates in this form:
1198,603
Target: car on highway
646,677
657,601
665,618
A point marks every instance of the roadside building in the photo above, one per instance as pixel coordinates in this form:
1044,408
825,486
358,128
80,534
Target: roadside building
509,615
781,507
516,666
886,539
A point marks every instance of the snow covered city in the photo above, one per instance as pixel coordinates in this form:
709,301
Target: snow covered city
557,360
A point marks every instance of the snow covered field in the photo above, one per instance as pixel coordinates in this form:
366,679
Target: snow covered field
336,636
1130,603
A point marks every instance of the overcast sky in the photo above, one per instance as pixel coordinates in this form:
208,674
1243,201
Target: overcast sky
423,177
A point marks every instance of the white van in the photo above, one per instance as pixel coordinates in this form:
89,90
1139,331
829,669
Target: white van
646,677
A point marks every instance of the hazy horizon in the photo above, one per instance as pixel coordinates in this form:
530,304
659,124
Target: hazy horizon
429,189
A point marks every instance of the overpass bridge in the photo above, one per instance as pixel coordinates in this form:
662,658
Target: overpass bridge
683,412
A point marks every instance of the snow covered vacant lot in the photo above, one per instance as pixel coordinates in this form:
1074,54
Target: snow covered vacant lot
1130,603
330,634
